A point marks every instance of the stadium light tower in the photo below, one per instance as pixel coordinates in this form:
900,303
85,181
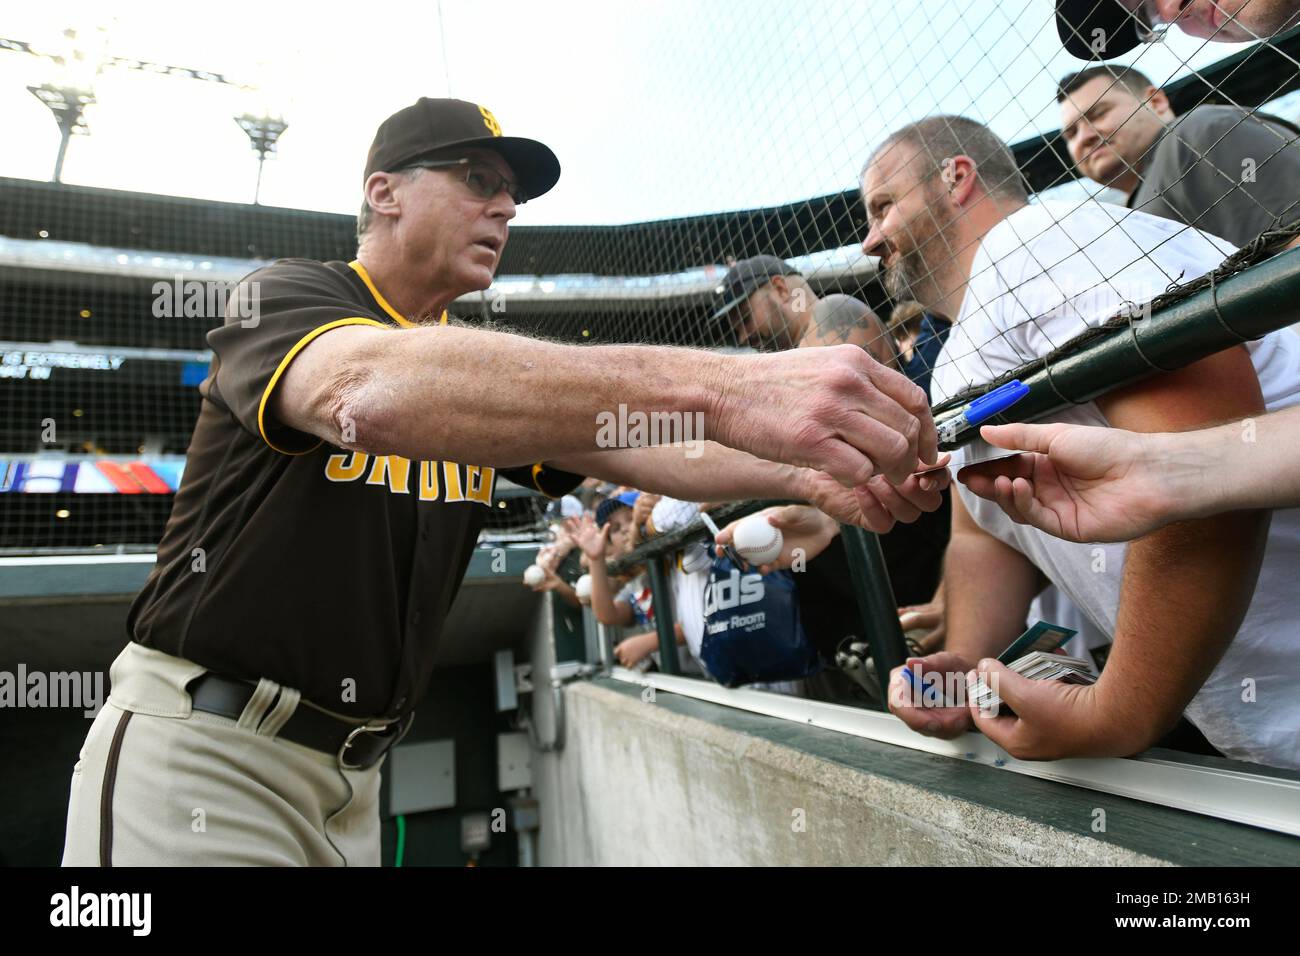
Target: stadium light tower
81,60
263,132
68,106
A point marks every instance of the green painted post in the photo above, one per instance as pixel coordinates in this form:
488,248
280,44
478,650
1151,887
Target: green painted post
876,604
663,608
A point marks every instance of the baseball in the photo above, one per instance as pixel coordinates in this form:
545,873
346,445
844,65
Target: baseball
533,576
583,589
757,541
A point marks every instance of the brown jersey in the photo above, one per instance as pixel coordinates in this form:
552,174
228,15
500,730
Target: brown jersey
322,569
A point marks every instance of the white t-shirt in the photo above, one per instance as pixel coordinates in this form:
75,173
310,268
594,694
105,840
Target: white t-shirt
688,599
688,582
1038,278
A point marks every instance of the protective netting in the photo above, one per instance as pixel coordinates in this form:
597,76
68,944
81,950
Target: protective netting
720,133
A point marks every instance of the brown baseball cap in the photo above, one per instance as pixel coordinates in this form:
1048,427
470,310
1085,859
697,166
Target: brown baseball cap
429,125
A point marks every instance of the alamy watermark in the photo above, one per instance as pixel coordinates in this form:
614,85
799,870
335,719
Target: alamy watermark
208,299
936,688
26,688
1091,303
638,429
75,908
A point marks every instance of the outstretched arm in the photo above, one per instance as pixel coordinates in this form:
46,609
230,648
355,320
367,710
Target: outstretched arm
471,395
1105,484
713,472
1184,592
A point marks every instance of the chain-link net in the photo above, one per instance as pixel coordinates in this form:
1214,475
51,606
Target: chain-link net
753,149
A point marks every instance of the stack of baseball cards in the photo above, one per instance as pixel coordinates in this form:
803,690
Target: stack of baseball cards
1032,655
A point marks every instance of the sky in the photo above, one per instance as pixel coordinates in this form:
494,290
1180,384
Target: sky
655,109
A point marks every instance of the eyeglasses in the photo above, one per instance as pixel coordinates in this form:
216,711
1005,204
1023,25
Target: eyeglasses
483,181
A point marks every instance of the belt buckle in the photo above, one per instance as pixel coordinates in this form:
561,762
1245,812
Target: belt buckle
373,729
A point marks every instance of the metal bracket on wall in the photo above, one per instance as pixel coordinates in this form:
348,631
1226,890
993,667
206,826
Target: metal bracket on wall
560,675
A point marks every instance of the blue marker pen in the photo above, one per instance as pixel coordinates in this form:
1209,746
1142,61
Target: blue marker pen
727,549
930,696
958,428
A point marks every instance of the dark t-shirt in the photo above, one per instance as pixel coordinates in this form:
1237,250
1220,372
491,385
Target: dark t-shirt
913,552
913,556
1225,171
325,570
925,350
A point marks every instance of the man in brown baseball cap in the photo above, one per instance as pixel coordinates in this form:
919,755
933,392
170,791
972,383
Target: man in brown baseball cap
346,456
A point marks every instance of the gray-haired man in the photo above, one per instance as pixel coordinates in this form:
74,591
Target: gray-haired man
345,458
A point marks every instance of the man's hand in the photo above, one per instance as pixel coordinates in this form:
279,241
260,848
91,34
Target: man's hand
564,541
937,721
805,533
645,503
876,504
550,582
832,409
1076,482
632,650
926,617
1053,719
549,556
882,505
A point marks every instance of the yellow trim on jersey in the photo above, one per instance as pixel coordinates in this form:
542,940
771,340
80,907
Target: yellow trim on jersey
537,470
360,270
400,319
429,487
284,364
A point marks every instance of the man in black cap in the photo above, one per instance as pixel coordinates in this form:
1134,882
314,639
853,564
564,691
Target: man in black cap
751,297
1105,29
771,306
328,511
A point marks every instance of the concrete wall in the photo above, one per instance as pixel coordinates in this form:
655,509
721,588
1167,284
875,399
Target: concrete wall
682,782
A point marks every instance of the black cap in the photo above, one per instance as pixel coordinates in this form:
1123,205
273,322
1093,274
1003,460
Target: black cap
1076,21
429,125
745,277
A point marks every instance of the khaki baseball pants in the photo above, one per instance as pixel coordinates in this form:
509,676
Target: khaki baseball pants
160,784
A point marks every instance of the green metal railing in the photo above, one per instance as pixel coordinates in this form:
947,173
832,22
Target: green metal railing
869,576
653,554
1240,301
1231,306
